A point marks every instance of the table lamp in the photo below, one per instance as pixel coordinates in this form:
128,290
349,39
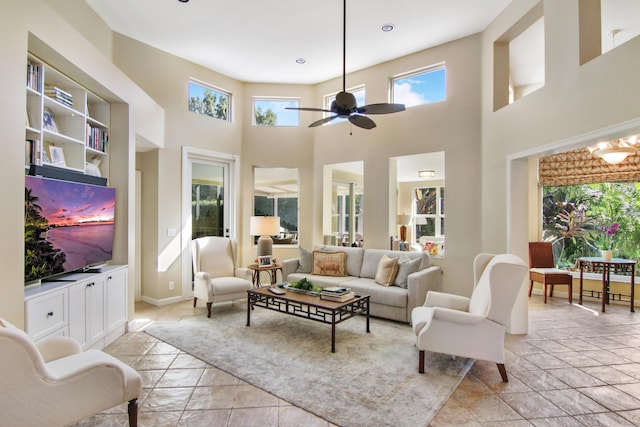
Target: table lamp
265,227
403,220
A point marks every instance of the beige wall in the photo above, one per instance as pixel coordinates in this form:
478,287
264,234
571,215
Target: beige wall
33,25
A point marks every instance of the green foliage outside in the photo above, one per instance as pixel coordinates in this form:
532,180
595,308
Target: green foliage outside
573,217
213,105
266,118
41,258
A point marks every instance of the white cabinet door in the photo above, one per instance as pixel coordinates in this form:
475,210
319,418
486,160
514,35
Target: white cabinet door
86,310
116,291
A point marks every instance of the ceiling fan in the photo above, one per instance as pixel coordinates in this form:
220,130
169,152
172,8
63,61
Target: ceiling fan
345,105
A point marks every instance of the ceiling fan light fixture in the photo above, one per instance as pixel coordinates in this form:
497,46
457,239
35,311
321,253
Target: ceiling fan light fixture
426,173
387,27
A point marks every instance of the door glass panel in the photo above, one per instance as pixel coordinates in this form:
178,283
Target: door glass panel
207,200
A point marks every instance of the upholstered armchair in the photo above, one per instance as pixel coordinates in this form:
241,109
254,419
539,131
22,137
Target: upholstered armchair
472,327
216,275
55,383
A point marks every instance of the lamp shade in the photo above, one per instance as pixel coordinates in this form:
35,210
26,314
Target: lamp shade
264,225
403,219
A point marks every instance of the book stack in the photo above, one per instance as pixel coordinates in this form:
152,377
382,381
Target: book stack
64,98
34,71
97,138
337,294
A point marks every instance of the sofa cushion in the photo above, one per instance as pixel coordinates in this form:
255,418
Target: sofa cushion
406,266
329,263
386,295
372,258
354,257
387,271
305,262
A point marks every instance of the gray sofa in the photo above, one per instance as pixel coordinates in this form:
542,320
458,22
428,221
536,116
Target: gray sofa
391,302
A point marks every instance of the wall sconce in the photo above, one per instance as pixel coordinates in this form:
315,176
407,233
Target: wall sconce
265,227
614,152
426,173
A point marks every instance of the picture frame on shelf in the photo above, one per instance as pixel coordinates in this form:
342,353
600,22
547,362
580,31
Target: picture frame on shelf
49,121
265,261
57,156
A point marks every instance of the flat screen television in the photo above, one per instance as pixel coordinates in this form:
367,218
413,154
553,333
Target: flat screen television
68,227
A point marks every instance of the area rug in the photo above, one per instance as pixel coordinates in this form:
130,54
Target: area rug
371,380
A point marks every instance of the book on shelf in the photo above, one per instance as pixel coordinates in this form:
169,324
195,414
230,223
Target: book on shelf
34,71
328,296
59,95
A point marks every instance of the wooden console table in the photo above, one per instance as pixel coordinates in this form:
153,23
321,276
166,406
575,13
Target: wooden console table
597,265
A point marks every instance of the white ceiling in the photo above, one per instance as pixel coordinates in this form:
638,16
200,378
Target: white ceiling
259,41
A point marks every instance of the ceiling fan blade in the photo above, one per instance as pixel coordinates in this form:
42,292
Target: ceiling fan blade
308,109
322,121
382,108
362,121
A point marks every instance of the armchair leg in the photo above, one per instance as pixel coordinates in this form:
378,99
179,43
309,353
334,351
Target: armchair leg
133,413
195,299
503,372
209,309
421,362
530,288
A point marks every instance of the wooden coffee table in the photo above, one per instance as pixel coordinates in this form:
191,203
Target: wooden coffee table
309,307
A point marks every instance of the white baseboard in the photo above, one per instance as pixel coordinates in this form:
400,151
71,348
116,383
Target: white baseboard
162,302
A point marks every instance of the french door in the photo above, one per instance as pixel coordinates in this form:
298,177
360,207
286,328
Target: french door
208,200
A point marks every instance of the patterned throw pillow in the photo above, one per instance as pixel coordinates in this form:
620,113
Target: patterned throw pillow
406,266
387,271
329,263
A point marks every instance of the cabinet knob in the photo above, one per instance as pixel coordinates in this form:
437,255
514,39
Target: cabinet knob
109,277
90,284
50,314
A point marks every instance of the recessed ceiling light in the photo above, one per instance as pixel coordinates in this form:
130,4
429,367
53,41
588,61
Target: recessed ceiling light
387,27
183,1
301,60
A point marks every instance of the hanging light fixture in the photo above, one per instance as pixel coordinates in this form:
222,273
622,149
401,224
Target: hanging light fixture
617,151
426,173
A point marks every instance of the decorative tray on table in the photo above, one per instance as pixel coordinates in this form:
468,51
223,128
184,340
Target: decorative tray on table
304,287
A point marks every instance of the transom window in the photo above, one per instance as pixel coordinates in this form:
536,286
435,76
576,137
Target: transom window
420,87
209,101
271,112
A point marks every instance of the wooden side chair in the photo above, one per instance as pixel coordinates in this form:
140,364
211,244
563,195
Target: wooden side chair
542,270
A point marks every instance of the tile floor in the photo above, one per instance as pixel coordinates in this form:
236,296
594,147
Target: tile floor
576,367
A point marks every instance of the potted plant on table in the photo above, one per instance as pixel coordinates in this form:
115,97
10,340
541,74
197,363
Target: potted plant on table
606,247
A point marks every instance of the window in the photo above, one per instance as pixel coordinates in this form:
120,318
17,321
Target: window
276,194
429,213
207,101
358,92
422,87
575,218
271,112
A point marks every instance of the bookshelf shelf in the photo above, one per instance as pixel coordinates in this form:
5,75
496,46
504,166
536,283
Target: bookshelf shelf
64,120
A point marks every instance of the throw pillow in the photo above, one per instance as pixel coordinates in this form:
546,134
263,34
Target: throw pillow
387,270
329,263
406,266
305,262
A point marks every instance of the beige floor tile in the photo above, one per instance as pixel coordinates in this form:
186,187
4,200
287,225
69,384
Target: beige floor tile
487,408
291,416
611,398
254,417
608,419
532,405
573,402
210,418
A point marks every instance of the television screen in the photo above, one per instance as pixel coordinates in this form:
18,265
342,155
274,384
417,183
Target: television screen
68,226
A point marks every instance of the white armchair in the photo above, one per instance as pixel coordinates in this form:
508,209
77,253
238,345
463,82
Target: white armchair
55,383
472,327
216,275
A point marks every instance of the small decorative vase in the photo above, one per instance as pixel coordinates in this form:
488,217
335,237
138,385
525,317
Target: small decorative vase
607,254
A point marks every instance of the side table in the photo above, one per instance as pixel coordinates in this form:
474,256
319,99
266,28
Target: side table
271,269
596,264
